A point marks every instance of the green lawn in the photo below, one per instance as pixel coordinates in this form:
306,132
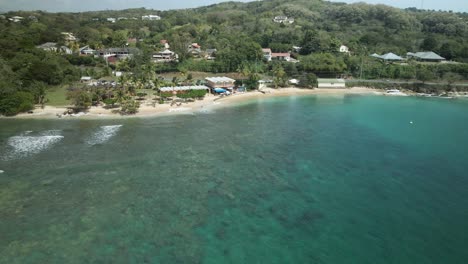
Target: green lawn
56,96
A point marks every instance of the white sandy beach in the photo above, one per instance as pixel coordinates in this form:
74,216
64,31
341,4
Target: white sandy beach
148,108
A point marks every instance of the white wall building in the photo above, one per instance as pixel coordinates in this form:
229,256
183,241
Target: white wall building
151,17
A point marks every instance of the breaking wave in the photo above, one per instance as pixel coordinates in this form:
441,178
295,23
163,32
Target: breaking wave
25,144
103,134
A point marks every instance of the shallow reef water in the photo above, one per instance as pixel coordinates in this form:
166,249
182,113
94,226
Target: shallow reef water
313,179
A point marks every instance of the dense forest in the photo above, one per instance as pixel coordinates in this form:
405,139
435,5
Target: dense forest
237,31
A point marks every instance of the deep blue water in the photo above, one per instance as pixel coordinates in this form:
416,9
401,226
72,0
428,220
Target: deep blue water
317,179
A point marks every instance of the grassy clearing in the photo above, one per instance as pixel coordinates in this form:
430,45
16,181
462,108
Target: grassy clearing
56,96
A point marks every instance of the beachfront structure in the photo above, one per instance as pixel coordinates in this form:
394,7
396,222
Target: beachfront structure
52,47
283,20
151,17
425,56
387,57
183,88
331,83
220,82
165,56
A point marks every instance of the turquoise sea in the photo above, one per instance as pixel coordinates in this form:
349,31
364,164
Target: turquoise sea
314,179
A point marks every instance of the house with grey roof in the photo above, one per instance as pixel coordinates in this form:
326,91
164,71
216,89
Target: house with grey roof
86,50
387,57
425,56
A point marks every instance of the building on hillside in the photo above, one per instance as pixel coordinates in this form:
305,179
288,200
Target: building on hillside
296,48
425,56
132,40
220,82
68,37
165,56
331,83
33,19
85,79
267,54
389,57
151,17
283,20
194,49
86,51
344,49
52,47
111,19
285,56
16,19
165,43
116,53
210,54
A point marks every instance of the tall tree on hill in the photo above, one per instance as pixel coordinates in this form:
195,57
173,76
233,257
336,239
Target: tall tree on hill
310,42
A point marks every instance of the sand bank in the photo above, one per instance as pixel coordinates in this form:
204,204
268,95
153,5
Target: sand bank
148,108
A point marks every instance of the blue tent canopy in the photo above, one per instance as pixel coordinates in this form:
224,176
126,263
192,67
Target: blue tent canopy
219,90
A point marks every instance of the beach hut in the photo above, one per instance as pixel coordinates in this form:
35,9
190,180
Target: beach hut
331,83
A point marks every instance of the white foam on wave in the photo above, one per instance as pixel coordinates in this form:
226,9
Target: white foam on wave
205,111
23,146
103,134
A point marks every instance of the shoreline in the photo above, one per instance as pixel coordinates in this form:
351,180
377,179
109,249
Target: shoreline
208,103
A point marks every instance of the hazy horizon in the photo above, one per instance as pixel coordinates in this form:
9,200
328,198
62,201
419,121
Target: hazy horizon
88,5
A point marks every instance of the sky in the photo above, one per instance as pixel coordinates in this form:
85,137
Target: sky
91,5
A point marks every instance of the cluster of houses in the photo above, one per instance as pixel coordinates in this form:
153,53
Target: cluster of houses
17,19
146,17
427,56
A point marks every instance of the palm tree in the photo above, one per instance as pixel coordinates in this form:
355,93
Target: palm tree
120,95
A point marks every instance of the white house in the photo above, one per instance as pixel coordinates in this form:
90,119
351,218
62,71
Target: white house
283,20
344,49
85,79
16,19
111,19
165,56
151,17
